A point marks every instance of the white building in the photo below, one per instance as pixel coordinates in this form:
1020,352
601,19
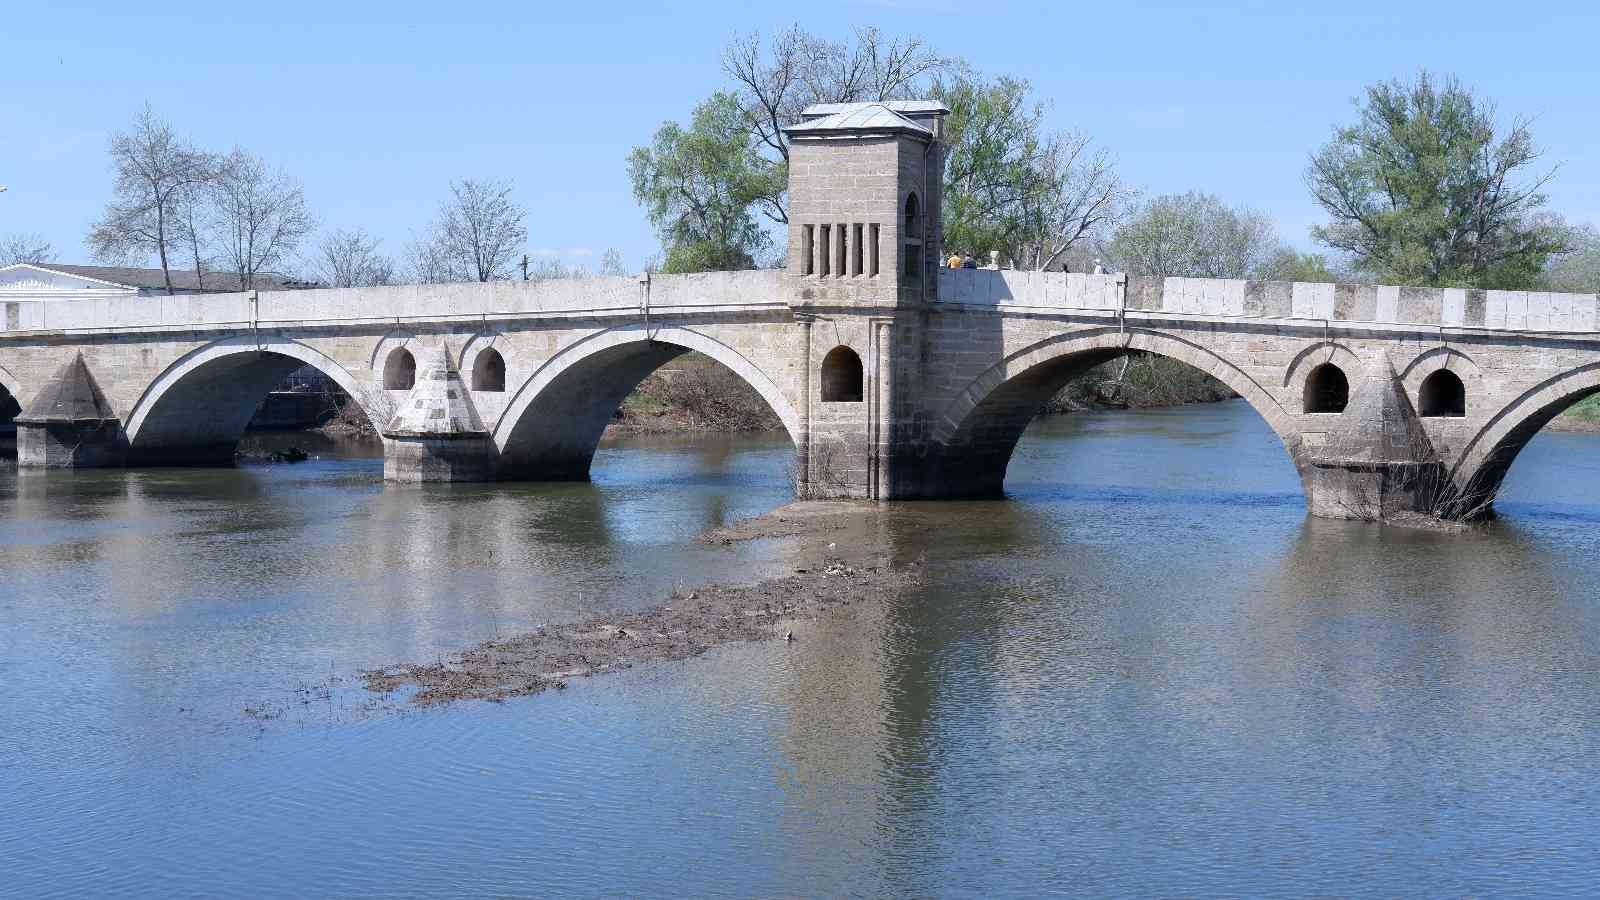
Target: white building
59,281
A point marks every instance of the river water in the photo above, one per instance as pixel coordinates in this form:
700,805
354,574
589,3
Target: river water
1145,673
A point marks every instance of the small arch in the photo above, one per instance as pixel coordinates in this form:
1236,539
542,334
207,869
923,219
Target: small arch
489,371
399,370
1327,390
1442,394
913,227
842,376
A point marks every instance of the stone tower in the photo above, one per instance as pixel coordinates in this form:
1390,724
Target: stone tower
865,201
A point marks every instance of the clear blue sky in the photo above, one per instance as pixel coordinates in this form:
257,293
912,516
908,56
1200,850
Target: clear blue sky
376,106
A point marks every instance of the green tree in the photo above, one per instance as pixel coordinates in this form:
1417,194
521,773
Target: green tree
1287,264
1423,190
1195,235
1010,185
699,187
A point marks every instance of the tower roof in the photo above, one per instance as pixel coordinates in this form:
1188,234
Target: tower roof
889,116
70,396
437,406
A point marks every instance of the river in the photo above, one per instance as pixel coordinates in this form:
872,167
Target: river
1145,673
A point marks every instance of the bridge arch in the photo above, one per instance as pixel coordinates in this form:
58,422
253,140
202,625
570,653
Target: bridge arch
1488,456
195,411
554,421
10,383
976,433
10,407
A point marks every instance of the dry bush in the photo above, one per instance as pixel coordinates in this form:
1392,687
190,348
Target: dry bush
1137,380
353,420
697,394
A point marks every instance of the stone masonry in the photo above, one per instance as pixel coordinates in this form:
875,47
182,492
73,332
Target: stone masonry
895,378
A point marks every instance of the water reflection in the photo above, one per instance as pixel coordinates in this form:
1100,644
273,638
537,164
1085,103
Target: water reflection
1146,672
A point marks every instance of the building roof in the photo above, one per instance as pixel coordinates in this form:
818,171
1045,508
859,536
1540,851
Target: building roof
182,279
904,107
856,118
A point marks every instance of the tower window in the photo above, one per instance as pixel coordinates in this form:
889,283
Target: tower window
855,250
913,216
872,249
842,376
808,237
823,256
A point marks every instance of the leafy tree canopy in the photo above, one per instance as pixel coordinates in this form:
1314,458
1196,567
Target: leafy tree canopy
1423,190
699,186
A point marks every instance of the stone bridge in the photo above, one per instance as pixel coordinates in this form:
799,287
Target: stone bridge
895,378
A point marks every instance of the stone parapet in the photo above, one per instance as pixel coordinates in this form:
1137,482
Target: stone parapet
1237,298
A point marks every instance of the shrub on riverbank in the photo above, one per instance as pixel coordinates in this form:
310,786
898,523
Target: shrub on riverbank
693,393
1138,381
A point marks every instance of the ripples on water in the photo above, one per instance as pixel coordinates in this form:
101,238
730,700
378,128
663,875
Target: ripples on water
1147,672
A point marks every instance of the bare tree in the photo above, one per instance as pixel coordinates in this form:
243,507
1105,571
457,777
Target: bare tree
611,263
154,172
1079,196
478,236
428,260
24,248
1013,186
778,78
258,216
550,270
189,227
351,259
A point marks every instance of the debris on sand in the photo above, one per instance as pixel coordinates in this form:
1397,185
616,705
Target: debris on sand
689,625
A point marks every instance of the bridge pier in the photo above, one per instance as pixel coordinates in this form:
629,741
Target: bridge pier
1375,463
69,424
435,434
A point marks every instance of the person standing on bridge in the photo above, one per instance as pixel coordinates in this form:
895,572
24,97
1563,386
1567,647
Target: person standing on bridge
954,262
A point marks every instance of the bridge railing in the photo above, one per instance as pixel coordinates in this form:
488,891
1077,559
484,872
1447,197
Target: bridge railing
1221,297
496,300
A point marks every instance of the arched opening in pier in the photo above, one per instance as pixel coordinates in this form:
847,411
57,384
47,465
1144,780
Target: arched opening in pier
489,371
699,407
1074,410
842,376
399,370
198,412
1442,395
1327,390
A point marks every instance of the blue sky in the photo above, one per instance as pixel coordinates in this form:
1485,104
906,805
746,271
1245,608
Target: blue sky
375,107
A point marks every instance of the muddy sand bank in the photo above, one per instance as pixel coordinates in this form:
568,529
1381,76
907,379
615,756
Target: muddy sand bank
841,559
